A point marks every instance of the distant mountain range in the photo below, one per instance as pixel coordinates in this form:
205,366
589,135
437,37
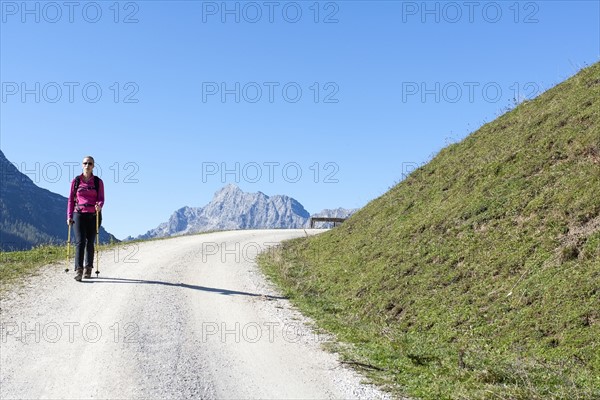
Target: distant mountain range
231,208
30,215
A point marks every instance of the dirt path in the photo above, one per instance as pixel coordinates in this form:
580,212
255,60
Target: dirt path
188,317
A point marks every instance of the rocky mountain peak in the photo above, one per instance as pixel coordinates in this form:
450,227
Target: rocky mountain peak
227,191
232,208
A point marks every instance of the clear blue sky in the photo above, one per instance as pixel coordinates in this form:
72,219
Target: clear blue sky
194,95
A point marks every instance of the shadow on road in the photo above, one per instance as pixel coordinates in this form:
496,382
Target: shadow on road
226,292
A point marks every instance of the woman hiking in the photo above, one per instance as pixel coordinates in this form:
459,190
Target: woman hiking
86,198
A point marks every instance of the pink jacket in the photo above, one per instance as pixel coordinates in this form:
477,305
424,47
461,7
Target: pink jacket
87,196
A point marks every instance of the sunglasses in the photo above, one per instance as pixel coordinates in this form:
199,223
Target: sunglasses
88,163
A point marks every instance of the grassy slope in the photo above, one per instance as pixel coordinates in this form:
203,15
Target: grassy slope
478,276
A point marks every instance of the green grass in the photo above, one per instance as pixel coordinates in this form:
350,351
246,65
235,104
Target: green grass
478,276
15,265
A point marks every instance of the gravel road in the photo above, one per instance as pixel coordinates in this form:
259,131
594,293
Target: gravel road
187,317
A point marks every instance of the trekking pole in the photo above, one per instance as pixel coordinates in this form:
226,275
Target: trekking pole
68,247
97,242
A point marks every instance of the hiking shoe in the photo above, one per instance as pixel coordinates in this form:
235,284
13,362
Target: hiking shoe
88,273
78,274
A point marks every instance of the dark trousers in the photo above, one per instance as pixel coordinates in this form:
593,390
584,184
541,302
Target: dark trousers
85,236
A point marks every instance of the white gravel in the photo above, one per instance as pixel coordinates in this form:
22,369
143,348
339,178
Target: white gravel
188,317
